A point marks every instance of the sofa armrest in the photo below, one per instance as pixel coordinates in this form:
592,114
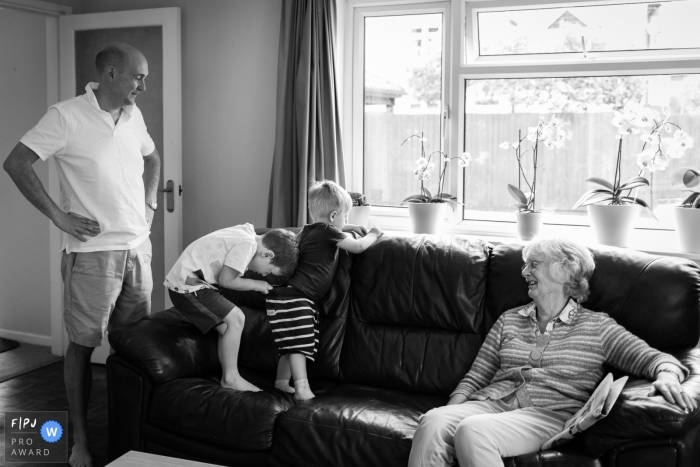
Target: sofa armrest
635,416
166,346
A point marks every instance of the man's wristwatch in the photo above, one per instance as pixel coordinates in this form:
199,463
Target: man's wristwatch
152,204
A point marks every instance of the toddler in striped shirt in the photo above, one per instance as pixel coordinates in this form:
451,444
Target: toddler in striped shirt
292,310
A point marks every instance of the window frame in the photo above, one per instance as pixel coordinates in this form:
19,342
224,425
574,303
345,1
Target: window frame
459,68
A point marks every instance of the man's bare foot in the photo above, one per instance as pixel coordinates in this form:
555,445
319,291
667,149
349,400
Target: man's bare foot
239,384
80,456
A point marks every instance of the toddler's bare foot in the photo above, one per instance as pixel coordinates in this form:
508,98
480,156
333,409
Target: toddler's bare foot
80,456
239,384
303,391
283,385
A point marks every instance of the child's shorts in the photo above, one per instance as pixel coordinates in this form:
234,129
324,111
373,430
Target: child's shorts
294,321
205,308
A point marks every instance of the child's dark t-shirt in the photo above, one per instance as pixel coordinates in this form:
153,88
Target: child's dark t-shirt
318,259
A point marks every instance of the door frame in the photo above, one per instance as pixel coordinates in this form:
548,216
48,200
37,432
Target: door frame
169,20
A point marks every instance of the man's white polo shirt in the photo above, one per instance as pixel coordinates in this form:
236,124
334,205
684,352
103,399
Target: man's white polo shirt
100,168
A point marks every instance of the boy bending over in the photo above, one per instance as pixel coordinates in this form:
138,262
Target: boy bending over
220,259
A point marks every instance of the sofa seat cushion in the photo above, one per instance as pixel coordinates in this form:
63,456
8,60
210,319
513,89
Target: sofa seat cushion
351,425
199,408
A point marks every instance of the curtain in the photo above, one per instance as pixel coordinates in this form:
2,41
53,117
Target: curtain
307,136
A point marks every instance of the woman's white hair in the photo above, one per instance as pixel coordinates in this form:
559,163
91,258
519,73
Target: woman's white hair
573,262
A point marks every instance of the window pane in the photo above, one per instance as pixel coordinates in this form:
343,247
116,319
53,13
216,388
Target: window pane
402,97
606,28
496,109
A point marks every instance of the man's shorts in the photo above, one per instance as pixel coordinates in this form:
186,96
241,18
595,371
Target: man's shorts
103,290
205,308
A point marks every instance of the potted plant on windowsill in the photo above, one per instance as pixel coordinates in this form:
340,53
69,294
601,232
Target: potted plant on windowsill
427,212
528,218
688,213
359,213
613,207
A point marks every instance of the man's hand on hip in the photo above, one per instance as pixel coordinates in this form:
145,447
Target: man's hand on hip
77,226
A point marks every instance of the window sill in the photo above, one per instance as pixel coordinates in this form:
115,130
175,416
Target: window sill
395,221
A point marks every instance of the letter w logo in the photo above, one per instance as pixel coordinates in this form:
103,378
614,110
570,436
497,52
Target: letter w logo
52,431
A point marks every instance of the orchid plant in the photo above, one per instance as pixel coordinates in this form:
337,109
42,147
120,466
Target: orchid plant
424,169
358,199
657,150
654,156
690,178
550,134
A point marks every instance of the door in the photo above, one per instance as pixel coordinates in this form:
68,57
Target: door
156,33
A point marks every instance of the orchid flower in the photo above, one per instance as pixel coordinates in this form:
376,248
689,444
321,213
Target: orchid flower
464,160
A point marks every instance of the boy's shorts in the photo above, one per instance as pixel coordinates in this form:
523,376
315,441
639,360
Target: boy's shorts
205,308
294,321
103,290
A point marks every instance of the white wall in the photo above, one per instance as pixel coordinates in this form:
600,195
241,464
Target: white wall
229,83
24,232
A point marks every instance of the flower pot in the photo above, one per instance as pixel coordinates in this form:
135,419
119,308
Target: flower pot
528,224
613,224
359,215
427,218
688,228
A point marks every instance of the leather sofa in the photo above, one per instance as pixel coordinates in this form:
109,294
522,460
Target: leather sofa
400,327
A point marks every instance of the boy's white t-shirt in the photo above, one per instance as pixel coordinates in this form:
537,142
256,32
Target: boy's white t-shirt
201,262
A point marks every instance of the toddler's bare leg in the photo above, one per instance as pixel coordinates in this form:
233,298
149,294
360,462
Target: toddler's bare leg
297,362
284,372
229,343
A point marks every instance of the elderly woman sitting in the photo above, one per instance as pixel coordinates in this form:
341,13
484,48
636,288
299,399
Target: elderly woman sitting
538,365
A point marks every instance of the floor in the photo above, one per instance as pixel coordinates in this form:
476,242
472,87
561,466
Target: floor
43,389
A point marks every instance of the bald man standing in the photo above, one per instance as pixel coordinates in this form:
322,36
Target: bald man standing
108,170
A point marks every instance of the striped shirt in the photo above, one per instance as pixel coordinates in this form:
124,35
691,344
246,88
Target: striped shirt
558,369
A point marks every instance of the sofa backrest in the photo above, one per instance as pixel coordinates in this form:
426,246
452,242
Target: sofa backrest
415,321
655,297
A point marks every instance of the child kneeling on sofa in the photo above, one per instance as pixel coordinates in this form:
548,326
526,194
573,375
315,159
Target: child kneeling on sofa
292,310
220,259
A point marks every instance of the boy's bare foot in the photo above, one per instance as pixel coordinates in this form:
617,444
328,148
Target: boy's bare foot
80,456
302,390
283,385
239,384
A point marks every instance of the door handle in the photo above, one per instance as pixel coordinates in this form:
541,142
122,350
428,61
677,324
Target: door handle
169,195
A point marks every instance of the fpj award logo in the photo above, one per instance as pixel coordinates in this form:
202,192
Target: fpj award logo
36,437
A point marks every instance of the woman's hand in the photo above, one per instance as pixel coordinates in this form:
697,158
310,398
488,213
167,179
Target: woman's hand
457,399
668,385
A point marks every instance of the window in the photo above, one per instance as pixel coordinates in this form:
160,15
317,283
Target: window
516,61
598,28
524,30
401,96
496,109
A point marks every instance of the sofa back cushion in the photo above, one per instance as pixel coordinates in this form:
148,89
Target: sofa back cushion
655,297
416,313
